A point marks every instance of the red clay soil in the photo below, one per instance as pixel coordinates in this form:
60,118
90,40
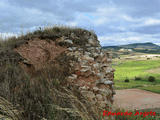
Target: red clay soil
39,52
132,99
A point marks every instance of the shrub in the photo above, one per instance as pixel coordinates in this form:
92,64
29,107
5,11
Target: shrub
138,78
151,79
126,80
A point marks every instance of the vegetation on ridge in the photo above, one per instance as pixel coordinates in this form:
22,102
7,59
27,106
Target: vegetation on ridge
50,33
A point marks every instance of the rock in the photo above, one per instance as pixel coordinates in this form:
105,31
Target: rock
108,82
104,59
96,65
95,54
64,40
91,41
73,36
88,94
68,41
73,77
109,60
70,49
98,49
100,75
79,59
26,62
77,54
71,64
103,104
104,65
91,48
105,92
80,49
86,57
85,69
112,87
74,48
94,101
93,72
101,54
87,53
103,80
84,88
43,119
88,45
108,70
84,66
95,89
83,62
99,97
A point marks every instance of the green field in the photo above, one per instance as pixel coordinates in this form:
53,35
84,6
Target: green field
155,89
131,69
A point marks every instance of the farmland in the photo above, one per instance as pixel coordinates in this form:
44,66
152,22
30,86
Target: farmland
131,69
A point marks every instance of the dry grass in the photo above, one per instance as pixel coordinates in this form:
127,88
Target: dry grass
78,35
8,111
45,96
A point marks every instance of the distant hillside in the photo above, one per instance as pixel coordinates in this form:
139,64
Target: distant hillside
147,45
137,47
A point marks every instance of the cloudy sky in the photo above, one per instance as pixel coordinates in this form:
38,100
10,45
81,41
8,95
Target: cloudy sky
115,22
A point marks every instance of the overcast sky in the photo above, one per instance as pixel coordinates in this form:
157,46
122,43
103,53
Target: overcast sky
115,22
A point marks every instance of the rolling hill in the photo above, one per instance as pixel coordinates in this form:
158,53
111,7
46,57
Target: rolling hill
147,45
137,47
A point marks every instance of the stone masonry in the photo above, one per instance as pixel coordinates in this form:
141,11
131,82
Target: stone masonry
93,73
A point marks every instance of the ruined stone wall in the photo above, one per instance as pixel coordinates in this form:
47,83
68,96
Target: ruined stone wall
91,73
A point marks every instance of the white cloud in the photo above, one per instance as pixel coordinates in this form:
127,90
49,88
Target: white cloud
100,21
126,38
157,44
152,21
115,21
74,23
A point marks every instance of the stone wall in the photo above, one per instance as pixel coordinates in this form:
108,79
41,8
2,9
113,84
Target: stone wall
93,73
91,68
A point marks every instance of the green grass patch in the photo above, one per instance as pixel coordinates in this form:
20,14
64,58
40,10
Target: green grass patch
155,89
132,69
